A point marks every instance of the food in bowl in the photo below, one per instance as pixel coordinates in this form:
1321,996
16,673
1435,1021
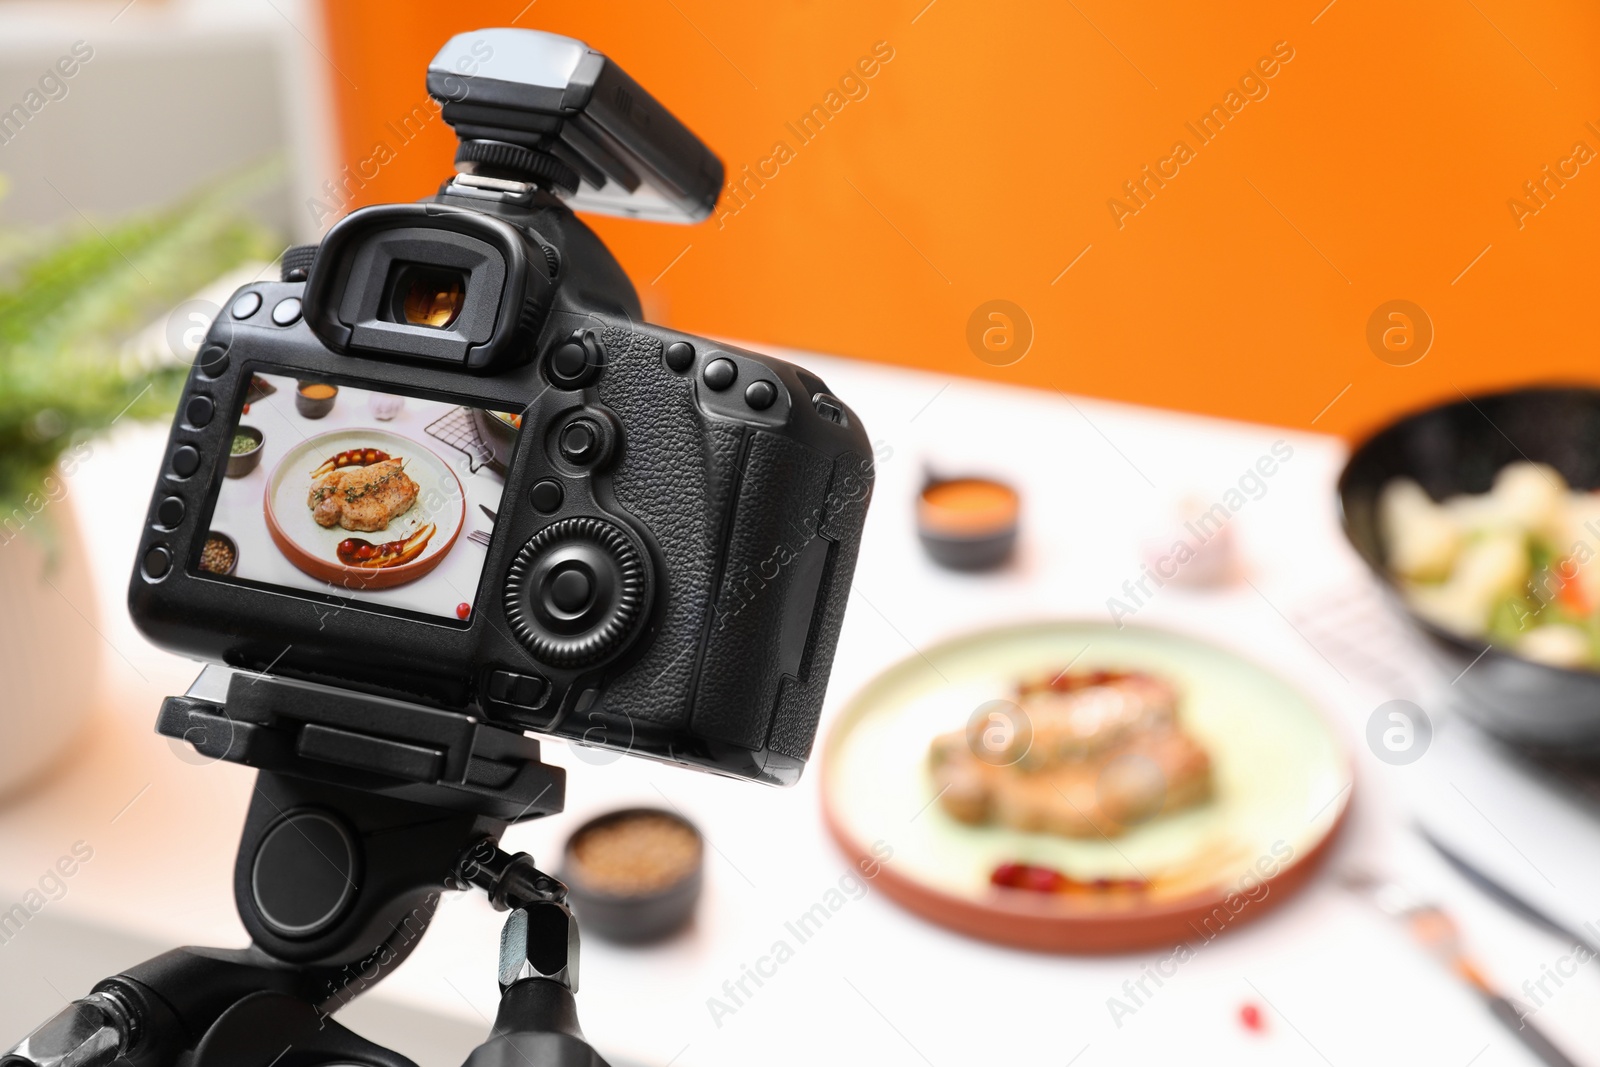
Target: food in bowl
639,854
1518,566
1089,754
218,556
634,875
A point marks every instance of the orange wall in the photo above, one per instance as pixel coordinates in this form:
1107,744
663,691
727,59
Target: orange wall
1383,160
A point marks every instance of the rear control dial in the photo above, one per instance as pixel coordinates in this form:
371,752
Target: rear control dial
574,591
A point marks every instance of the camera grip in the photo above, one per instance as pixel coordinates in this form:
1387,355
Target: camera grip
758,528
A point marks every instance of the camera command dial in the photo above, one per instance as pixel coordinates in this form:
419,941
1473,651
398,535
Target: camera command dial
574,591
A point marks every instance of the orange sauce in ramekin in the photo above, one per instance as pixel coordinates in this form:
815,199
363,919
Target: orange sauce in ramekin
967,507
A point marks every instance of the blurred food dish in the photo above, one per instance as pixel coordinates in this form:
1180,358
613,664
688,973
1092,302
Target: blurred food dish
968,523
1240,837
1094,753
1481,517
1514,565
634,875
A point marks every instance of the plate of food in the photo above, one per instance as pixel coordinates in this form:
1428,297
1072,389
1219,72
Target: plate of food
1076,787
363,508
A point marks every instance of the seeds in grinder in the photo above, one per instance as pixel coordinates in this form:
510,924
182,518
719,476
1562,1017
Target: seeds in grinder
217,556
636,855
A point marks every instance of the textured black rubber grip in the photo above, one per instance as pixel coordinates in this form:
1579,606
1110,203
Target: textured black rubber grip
759,531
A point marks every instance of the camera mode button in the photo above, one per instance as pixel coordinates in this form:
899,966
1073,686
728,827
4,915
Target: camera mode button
720,374
185,461
680,356
570,589
580,442
170,512
157,562
286,312
198,411
522,690
577,361
246,305
761,394
546,495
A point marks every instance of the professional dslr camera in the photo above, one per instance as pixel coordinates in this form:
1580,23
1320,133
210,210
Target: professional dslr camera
439,486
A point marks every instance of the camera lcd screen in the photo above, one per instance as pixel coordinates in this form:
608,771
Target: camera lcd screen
385,499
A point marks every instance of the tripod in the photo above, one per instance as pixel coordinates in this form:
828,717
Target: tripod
365,809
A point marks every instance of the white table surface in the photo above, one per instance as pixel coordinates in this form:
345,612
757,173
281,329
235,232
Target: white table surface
1337,983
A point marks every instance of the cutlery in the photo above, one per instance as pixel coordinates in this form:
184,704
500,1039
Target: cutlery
1505,896
489,512
1432,928
479,537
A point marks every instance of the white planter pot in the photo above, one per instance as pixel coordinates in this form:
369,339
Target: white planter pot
49,649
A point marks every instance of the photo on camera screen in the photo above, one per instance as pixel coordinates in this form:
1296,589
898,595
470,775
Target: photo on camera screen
335,489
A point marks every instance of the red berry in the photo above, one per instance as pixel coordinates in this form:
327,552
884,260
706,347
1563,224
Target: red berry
463,609
1250,1015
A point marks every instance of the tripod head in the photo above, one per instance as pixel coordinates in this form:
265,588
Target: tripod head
365,810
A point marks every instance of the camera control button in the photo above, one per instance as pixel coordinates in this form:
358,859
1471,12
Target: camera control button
576,361
680,356
575,591
760,394
523,690
185,461
580,442
157,562
286,312
720,374
546,495
170,512
568,361
213,361
247,304
198,411
569,589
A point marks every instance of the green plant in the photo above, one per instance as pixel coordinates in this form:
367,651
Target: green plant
69,302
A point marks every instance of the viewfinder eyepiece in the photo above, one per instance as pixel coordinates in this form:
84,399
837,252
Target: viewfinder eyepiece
427,296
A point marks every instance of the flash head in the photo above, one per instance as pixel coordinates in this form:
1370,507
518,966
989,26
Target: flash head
540,107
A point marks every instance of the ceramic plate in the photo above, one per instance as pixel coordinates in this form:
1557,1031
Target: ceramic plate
312,548
1282,788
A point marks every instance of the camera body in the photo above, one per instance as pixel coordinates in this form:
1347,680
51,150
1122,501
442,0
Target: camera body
675,521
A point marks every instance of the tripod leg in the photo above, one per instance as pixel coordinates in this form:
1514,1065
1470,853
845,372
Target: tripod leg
537,1023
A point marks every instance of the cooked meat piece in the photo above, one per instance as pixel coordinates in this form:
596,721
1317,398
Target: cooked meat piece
1073,717
1103,757
362,498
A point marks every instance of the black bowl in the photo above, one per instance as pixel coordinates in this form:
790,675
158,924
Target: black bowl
639,918
1459,448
